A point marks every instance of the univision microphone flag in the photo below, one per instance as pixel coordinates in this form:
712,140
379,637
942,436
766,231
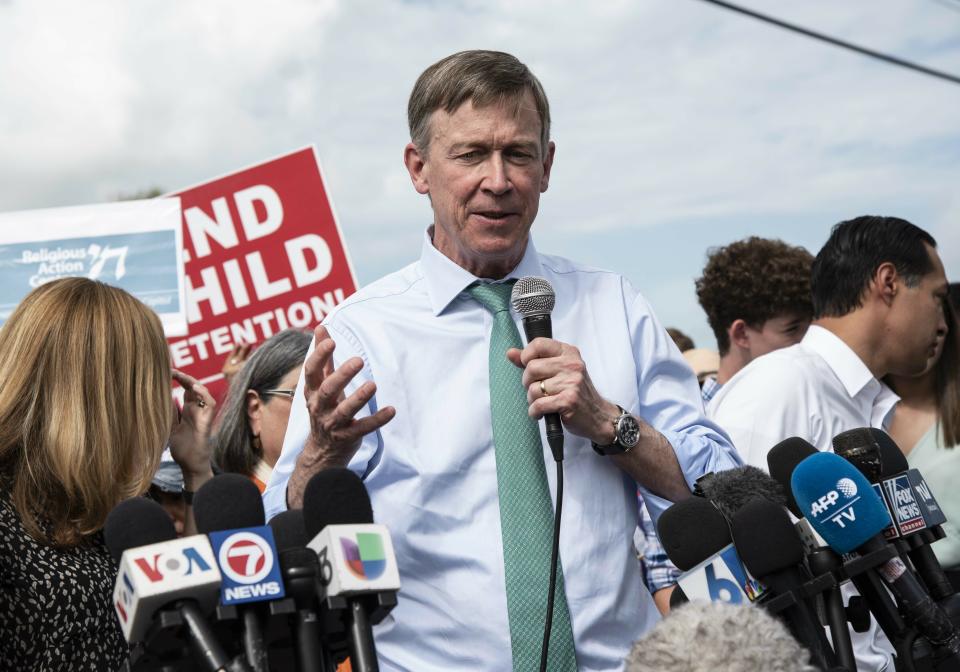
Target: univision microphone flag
355,559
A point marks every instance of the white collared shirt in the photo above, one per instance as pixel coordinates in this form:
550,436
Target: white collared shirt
815,389
431,471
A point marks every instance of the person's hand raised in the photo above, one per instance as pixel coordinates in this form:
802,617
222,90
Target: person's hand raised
335,431
190,435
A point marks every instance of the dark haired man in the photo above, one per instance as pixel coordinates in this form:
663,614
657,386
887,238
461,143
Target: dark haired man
756,293
878,294
432,398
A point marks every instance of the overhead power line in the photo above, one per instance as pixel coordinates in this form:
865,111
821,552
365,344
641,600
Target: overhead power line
837,43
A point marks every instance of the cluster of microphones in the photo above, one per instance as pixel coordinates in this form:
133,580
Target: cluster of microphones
301,593
860,514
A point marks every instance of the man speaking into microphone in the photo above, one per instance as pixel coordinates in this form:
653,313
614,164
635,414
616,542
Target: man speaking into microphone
422,384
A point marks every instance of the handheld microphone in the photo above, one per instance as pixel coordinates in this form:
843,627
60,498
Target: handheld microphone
229,509
772,551
533,298
697,540
843,507
301,575
159,571
358,567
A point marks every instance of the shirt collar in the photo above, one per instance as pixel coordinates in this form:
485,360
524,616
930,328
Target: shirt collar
845,363
446,280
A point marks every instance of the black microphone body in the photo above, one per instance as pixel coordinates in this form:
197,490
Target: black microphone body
770,548
540,326
533,298
337,496
229,501
825,561
301,572
203,642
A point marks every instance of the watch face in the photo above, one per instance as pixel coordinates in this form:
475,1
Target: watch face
628,431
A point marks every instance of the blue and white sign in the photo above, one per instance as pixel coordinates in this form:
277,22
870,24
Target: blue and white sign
248,564
721,578
904,505
133,245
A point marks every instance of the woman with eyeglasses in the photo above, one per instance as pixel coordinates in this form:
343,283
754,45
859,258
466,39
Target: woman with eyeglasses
251,425
85,411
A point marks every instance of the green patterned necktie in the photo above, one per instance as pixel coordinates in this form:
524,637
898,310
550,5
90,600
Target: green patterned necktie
526,510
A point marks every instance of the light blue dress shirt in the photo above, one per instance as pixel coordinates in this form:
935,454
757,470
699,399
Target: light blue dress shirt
431,471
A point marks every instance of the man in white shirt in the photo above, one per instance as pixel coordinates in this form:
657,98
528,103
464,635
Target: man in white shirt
412,399
878,290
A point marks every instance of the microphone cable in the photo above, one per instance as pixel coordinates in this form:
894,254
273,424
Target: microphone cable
554,553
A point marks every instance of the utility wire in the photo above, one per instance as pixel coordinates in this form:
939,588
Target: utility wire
950,5
837,43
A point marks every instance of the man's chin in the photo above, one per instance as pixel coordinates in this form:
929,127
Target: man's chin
916,368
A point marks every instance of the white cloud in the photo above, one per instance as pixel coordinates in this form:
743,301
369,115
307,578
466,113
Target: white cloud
665,111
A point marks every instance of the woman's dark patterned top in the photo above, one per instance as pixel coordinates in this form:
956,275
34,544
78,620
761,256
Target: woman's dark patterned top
56,608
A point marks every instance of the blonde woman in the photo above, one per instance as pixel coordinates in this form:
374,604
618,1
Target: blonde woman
85,410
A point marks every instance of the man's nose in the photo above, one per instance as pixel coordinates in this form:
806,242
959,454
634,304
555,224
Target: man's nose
496,180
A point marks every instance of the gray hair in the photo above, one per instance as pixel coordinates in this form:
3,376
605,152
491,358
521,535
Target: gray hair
277,356
482,77
718,637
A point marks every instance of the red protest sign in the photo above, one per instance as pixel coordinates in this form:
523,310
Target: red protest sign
263,252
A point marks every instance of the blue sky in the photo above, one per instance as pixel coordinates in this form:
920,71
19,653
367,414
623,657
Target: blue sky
679,125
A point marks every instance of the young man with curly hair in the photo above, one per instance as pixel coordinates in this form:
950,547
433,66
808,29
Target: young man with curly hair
756,293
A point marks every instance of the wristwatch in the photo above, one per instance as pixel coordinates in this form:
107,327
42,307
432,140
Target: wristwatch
626,434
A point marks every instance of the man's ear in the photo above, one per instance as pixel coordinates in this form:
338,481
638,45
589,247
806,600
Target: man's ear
416,163
886,282
254,412
547,166
737,331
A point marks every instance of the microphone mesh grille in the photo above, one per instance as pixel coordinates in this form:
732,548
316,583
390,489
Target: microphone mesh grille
531,296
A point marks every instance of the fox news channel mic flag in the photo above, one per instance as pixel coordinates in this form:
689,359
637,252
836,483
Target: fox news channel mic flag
134,245
263,252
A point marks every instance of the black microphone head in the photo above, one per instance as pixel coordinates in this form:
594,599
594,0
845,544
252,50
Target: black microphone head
136,522
289,530
892,459
859,448
782,459
677,597
691,531
226,502
532,296
765,538
731,489
335,496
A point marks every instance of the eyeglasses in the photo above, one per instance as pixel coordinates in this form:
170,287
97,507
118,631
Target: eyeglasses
281,393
